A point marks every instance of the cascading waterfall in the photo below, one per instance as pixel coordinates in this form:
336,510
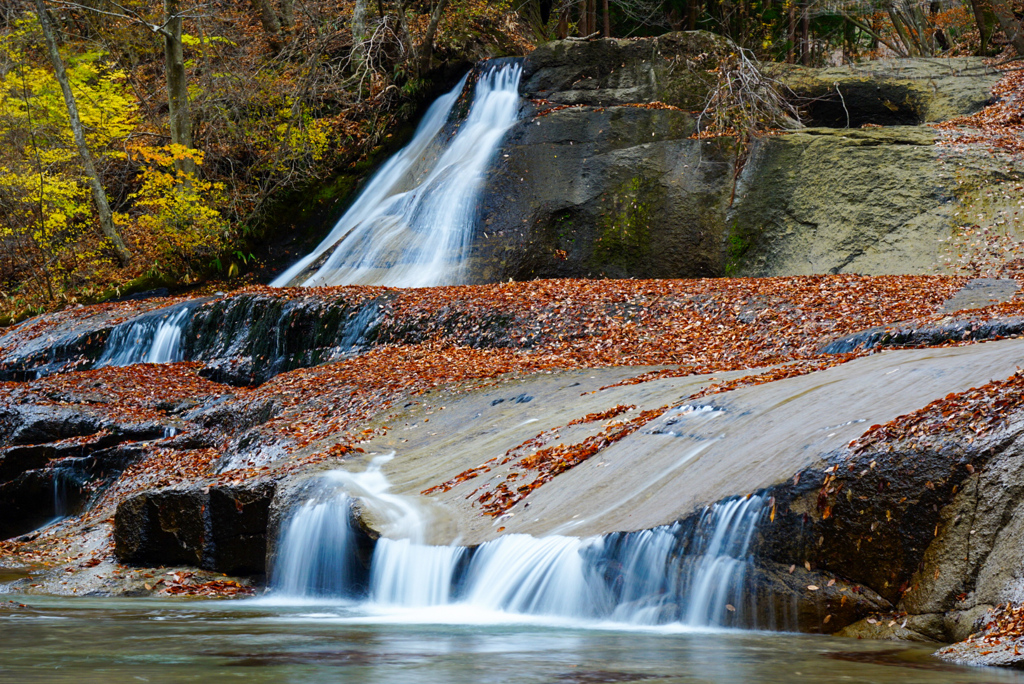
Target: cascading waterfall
153,338
412,225
693,575
318,552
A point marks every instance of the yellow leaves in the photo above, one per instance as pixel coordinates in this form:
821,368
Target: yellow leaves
48,208
176,210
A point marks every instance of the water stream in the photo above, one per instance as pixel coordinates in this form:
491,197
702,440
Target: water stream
672,574
60,640
151,338
412,225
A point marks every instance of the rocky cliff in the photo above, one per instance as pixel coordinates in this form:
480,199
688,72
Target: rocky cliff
603,177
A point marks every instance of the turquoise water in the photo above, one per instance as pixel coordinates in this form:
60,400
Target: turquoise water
84,640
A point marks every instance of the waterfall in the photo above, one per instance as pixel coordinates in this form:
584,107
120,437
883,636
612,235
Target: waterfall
689,574
412,225
318,552
152,338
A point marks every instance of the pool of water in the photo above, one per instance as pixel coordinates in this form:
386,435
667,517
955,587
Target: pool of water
83,640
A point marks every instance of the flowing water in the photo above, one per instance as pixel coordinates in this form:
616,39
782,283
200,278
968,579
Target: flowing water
86,641
672,574
412,225
151,338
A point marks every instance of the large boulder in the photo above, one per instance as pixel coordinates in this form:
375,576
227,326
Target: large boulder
673,68
221,527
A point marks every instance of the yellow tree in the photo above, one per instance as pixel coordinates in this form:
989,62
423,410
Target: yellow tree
99,195
45,212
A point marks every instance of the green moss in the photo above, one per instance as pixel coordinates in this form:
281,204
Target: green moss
737,245
625,235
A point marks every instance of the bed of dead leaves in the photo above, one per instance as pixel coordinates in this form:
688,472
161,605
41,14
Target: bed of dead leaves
185,583
998,125
1005,622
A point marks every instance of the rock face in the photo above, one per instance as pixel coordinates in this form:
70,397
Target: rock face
841,200
891,92
671,69
643,200
219,528
597,181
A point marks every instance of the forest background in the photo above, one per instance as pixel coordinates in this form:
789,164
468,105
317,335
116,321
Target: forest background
178,144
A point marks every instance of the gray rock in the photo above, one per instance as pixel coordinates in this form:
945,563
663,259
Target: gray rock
981,292
642,199
869,201
672,68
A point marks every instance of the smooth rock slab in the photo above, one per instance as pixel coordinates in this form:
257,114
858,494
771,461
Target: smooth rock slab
756,437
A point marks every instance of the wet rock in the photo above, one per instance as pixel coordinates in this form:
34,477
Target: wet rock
16,460
63,341
39,424
885,629
800,600
221,528
958,329
981,292
161,527
1007,654
29,501
248,339
937,529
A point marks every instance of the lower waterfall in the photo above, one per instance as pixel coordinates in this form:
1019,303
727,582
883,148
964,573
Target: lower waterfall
694,574
152,338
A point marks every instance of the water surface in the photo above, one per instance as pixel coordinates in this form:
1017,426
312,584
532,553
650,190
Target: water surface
130,640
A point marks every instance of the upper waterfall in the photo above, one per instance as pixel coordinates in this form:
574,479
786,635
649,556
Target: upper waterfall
412,225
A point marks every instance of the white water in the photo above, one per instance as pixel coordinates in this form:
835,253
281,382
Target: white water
153,338
412,225
668,575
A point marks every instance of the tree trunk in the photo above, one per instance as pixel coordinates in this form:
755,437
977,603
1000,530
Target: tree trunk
1009,24
791,53
984,19
592,17
805,38
359,27
427,46
905,37
180,118
99,196
287,14
267,17
607,20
